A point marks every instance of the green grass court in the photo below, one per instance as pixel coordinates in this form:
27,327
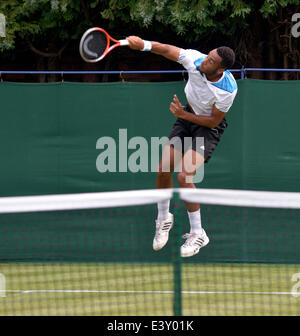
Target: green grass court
147,289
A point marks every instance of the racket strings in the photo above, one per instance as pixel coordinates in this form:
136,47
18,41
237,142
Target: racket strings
95,44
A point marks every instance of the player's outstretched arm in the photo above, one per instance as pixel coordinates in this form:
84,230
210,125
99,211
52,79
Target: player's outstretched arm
169,51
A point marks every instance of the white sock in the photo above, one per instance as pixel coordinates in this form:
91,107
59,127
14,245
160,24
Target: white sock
195,221
163,210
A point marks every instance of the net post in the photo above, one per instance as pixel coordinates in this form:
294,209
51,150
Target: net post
121,76
176,258
243,73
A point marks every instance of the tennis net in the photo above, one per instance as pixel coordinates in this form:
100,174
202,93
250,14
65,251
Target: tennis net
91,254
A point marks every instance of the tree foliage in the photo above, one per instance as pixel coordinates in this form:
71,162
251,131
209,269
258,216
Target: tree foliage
66,19
47,26
40,20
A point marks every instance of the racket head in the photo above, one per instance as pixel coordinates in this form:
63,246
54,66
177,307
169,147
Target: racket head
94,44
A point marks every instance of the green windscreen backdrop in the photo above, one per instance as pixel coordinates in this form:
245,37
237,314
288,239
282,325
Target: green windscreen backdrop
49,132
49,135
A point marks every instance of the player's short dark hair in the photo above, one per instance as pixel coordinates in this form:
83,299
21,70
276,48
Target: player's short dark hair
227,55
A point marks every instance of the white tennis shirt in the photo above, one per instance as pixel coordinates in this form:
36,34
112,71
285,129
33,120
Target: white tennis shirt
202,94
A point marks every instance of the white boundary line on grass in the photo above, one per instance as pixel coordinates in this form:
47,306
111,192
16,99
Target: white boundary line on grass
28,291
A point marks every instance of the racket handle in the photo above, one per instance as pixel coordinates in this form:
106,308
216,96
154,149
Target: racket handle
124,42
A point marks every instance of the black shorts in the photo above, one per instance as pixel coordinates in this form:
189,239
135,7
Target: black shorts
187,131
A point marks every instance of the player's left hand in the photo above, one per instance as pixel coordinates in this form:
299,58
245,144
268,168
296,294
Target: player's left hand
176,108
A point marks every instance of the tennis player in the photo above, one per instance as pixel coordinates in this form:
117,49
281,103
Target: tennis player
210,92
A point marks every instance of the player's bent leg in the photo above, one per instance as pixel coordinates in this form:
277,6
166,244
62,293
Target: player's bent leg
197,238
191,161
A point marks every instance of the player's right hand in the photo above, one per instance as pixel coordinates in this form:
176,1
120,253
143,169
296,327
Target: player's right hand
135,42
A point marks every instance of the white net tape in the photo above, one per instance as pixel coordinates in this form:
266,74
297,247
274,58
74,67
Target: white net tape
246,198
242,198
83,201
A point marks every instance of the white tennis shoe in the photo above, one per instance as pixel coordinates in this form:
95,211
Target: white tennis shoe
162,232
194,242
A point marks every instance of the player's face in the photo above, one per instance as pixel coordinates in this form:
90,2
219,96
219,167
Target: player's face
212,63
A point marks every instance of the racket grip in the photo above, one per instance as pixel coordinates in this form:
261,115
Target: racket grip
124,42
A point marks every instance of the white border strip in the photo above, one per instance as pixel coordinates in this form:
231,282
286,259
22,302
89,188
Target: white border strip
29,291
246,198
83,201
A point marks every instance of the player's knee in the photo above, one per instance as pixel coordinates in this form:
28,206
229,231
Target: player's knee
165,168
184,178
163,175
181,177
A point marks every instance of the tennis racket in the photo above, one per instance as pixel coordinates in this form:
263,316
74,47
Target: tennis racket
95,44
